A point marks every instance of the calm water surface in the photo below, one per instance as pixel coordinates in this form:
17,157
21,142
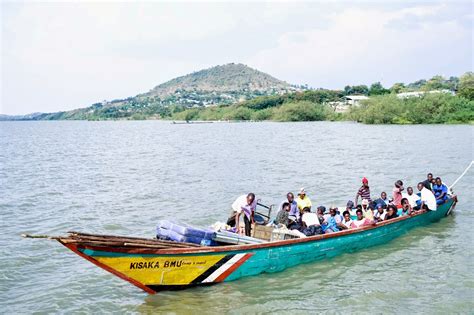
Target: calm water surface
122,177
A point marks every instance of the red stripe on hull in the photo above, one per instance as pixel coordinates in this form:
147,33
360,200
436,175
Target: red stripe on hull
237,264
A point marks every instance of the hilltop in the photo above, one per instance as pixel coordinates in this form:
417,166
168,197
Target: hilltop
226,78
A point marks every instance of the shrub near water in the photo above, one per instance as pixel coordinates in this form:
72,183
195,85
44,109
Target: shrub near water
300,111
428,109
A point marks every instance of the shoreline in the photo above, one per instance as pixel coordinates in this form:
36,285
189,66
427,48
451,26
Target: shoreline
201,122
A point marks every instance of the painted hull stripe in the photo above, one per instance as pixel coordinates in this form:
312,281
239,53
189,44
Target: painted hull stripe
213,276
211,270
225,274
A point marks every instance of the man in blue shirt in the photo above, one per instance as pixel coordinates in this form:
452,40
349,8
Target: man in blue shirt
440,191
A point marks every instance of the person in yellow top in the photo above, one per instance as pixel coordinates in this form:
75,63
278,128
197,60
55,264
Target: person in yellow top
303,201
368,213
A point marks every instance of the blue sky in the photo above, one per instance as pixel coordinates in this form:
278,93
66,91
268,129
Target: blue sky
60,56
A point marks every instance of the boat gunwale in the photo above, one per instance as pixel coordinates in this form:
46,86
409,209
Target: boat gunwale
247,247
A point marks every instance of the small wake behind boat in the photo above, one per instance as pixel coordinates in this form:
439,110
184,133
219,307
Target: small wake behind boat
154,265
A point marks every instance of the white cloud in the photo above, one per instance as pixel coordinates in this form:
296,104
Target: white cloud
358,47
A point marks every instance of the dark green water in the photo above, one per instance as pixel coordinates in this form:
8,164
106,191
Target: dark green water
122,177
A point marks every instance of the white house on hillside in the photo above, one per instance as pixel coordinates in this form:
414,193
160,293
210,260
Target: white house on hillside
421,93
354,100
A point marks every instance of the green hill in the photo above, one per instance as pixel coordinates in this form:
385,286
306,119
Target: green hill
227,78
220,85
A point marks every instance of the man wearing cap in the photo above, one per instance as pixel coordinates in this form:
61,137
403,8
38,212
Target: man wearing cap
247,205
303,201
363,192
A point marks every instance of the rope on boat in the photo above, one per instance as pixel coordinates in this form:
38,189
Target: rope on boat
39,236
463,173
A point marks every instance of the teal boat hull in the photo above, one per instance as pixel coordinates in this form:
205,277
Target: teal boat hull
154,270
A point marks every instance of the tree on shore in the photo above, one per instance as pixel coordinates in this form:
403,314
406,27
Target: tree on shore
466,86
378,89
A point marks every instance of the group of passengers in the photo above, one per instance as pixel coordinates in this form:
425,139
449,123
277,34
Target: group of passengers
295,213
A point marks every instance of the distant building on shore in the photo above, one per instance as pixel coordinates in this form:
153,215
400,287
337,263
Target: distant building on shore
354,100
421,93
349,100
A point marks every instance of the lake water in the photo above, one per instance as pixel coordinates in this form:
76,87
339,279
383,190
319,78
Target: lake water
122,177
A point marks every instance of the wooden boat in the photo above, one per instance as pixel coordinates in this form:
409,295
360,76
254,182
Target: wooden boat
155,265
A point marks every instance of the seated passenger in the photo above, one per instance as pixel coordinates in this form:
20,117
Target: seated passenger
283,214
428,180
361,221
311,223
406,207
440,191
397,193
368,213
383,200
303,201
346,222
332,221
336,214
412,198
320,212
349,205
391,212
293,223
427,199
379,213
290,199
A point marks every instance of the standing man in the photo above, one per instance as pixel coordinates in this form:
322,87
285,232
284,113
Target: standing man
247,205
427,182
303,201
363,192
290,198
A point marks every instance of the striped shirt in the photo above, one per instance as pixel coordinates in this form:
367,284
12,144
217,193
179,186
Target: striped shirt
364,193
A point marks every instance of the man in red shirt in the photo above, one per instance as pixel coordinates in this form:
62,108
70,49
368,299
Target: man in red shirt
364,191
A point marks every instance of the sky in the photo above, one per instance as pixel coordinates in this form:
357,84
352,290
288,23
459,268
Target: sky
63,55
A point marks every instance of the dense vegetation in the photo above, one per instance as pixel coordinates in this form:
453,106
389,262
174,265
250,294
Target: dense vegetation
242,93
427,109
302,106
383,106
